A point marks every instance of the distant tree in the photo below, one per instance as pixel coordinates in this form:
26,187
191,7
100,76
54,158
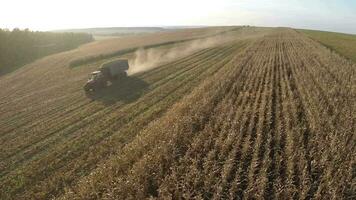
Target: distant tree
19,47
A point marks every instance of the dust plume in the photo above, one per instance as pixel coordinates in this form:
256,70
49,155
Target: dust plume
146,59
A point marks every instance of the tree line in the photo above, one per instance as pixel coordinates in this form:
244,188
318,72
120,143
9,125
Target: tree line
19,47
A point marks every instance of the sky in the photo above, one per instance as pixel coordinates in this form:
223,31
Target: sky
44,15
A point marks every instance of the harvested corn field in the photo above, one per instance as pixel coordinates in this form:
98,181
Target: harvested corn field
269,115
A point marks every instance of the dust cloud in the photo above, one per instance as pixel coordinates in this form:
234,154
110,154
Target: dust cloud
146,59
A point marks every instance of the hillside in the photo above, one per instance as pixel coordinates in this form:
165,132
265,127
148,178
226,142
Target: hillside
112,32
344,44
20,47
239,113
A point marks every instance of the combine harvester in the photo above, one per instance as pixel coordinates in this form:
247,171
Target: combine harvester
107,73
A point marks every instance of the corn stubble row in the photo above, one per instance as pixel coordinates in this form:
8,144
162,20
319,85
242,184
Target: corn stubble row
276,121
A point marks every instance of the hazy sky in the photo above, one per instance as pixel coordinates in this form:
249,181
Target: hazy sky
333,15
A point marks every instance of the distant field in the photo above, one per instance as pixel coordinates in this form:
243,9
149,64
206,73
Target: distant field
344,44
128,44
115,31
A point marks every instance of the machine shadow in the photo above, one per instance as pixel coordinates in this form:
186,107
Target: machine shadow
126,89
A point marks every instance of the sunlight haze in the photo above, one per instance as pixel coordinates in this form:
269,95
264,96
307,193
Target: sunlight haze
329,15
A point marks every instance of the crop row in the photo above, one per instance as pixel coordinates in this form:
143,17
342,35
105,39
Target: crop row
276,122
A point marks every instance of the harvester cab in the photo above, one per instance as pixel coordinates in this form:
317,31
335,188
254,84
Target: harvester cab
95,81
95,76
